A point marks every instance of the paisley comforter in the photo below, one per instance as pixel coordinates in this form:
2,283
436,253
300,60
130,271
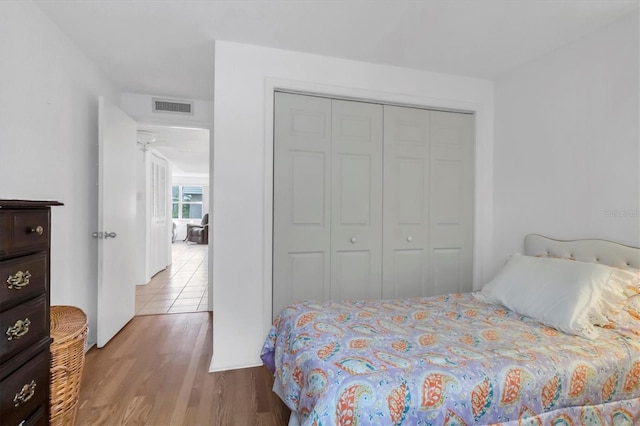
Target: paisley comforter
451,360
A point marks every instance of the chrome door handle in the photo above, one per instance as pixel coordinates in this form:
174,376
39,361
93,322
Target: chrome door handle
105,235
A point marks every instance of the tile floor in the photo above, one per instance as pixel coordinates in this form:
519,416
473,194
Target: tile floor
181,287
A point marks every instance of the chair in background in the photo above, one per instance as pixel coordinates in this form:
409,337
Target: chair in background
199,233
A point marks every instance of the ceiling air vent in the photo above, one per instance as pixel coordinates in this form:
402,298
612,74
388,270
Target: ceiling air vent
173,106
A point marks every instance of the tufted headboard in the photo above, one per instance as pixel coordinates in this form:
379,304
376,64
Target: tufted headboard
596,251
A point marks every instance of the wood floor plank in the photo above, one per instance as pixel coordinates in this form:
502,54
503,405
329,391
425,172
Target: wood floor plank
185,391
155,372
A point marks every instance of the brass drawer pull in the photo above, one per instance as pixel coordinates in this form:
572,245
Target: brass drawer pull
18,280
25,394
19,329
37,230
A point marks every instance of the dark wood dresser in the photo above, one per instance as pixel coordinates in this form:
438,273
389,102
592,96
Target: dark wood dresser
25,231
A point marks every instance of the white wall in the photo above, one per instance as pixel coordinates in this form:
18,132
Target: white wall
567,150
242,155
48,142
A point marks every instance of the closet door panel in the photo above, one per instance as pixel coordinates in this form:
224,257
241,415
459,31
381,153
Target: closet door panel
447,271
451,224
308,188
308,272
448,205
410,191
356,200
352,275
409,274
301,217
406,202
354,186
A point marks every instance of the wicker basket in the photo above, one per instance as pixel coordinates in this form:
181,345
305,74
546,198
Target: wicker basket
69,333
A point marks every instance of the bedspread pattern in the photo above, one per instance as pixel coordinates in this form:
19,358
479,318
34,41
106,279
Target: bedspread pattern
448,360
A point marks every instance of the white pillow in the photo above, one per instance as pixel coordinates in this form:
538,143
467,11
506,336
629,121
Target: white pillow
561,293
623,286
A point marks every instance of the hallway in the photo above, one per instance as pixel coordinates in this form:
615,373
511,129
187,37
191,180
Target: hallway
181,287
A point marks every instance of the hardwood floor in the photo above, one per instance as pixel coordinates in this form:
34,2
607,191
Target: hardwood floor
155,372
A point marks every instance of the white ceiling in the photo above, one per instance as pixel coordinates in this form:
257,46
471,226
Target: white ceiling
165,47
186,148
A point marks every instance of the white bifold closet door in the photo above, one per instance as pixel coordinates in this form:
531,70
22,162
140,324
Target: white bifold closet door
356,200
451,203
406,206
301,199
370,201
428,202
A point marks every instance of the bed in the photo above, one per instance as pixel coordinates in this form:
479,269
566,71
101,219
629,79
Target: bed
468,359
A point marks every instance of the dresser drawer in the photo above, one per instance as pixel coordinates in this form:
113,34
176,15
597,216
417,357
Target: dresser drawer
38,418
23,278
25,391
24,231
23,326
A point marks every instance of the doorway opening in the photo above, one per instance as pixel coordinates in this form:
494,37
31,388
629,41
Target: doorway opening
173,209
181,287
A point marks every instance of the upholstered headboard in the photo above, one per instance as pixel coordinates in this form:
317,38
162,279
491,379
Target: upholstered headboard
596,251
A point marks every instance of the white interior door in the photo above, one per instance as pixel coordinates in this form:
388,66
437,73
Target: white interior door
406,203
160,229
302,215
116,220
356,200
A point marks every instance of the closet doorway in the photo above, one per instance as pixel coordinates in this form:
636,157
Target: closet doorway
370,200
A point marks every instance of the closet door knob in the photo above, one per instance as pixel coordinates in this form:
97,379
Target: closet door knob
353,240
409,238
